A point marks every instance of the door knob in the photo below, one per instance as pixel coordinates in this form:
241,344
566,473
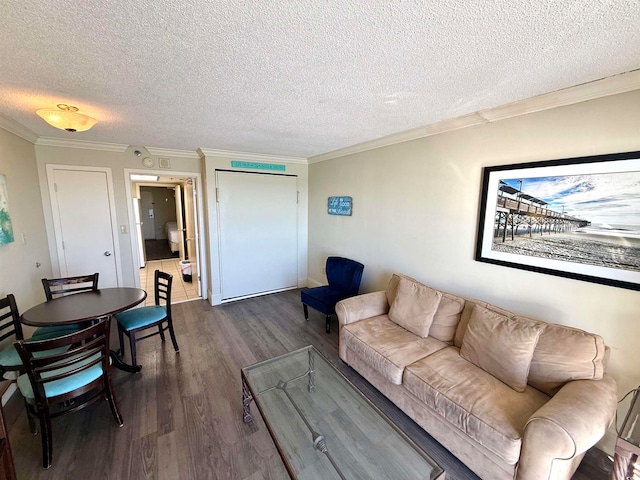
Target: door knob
107,254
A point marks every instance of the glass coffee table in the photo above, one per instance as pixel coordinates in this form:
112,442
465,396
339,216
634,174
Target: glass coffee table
324,427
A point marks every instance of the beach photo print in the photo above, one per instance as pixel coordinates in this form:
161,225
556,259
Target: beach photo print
576,217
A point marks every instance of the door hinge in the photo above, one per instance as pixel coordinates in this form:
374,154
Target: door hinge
217,195
55,187
62,245
297,196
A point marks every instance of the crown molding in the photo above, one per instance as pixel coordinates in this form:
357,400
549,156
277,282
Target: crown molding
86,144
169,152
18,129
622,83
265,157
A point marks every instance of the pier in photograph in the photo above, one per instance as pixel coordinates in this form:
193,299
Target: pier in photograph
517,210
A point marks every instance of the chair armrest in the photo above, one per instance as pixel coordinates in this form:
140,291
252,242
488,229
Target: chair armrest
571,422
360,307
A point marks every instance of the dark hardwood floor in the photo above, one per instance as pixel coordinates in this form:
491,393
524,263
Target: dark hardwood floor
183,413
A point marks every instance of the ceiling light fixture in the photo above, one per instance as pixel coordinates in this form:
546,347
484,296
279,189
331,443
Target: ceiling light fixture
144,178
67,118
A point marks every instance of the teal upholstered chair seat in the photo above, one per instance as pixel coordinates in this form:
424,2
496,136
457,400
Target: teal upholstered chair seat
66,384
43,333
9,356
140,317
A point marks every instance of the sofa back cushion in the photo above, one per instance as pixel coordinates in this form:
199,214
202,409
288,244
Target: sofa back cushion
500,345
414,306
447,316
564,354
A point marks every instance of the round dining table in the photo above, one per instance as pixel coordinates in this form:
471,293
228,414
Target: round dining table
84,307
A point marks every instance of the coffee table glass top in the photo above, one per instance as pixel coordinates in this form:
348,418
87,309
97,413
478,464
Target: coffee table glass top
324,427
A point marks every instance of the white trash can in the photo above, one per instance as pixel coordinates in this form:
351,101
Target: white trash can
185,266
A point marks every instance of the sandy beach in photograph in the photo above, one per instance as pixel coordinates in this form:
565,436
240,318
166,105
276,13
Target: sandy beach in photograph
591,249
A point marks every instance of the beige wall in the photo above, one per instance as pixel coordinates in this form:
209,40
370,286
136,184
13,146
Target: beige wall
19,273
117,162
415,211
164,209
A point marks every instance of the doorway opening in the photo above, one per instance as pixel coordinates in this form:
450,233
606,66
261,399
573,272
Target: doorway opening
165,232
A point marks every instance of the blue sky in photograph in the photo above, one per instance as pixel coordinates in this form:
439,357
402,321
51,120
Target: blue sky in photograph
602,199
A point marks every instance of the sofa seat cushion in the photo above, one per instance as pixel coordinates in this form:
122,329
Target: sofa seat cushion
387,347
474,401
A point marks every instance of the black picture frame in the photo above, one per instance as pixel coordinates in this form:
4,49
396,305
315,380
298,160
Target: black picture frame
574,217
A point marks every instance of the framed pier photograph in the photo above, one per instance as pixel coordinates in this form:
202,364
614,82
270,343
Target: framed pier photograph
574,217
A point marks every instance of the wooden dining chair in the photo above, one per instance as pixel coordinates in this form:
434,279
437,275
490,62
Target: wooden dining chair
10,326
134,321
63,382
57,287
54,287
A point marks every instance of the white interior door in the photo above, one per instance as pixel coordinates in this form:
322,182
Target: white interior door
84,222
138,220
257,216
180,221
190,222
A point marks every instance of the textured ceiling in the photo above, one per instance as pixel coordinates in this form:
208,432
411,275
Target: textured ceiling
296,78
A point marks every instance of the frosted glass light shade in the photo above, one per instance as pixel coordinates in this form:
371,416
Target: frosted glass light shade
66,117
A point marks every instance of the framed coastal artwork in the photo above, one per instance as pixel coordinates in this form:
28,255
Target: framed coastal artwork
574,217
6,230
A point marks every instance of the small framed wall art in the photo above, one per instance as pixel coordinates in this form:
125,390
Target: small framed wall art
340,206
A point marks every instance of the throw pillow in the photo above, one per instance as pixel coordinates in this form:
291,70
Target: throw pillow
414,306
564,354
500,346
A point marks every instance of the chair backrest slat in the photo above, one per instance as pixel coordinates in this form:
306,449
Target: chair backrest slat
63,286
162,284
10,318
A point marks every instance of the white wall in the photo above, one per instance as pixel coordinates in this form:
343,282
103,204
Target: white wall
415,211
19,273
117,162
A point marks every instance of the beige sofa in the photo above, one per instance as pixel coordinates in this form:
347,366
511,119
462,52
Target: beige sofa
511,397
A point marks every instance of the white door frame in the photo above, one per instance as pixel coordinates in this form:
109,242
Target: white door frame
202,266
57,228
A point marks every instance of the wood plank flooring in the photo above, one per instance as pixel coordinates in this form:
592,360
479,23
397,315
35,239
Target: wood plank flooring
183,413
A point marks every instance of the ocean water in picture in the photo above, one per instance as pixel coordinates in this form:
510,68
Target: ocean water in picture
6,230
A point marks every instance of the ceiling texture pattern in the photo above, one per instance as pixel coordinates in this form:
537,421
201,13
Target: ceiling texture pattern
297,78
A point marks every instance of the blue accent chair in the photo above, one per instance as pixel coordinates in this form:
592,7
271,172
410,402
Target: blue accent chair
75,371
344,276
133,321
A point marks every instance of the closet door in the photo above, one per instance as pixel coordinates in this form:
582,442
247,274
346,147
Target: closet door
257,215
83,207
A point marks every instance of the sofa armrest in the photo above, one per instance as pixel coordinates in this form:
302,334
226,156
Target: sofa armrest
571,422
360,307
357,308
